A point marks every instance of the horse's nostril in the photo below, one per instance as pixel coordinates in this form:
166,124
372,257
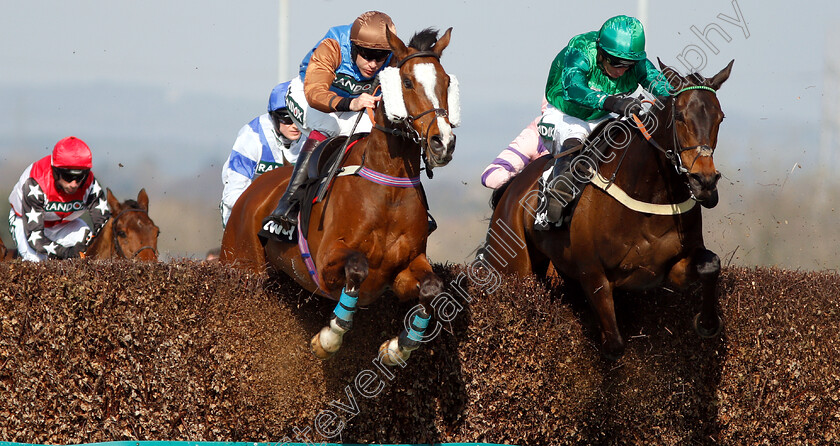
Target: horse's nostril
704,181
436,143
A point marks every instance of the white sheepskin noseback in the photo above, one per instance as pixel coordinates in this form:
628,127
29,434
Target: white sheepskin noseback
454,100
389,80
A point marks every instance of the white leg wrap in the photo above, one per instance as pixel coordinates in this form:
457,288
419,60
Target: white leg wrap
331,337
392,354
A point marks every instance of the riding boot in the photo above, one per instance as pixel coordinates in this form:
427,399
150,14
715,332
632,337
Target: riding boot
283,213
562,185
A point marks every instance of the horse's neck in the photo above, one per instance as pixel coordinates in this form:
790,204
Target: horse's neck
392,155
102,246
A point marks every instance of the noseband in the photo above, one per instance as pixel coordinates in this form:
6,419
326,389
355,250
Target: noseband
117,242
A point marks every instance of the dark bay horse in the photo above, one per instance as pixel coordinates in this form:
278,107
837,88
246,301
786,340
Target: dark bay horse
129,234
654,234
369,233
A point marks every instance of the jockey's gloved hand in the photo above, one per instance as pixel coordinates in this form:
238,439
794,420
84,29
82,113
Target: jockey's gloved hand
72,252
623,105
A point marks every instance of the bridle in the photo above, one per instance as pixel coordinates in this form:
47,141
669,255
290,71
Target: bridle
116,241
673,155
421,139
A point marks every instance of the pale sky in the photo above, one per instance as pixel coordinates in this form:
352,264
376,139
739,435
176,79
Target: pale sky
500,50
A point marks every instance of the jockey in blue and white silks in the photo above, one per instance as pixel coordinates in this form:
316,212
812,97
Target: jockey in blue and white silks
269,141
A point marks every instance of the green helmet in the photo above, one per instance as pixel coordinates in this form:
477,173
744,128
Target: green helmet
623,37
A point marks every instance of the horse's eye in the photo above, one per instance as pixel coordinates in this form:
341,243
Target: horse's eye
121,234
679,116
407,83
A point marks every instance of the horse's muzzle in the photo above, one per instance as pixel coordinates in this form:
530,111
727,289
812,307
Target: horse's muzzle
440,152
704,188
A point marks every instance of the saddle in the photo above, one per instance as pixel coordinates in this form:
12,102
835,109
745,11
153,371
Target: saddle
590,144
323,158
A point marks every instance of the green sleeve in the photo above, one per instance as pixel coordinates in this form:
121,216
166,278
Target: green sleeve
652,79
568,80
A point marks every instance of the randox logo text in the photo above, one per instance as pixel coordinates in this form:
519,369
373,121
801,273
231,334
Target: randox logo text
69,206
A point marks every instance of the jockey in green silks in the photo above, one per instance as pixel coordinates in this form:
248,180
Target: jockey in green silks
589,79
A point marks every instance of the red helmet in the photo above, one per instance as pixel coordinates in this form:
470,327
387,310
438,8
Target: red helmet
72,153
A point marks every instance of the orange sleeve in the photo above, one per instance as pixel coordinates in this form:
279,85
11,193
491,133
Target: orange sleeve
320,74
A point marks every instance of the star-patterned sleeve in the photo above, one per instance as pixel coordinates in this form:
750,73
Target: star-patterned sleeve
97,205
34,201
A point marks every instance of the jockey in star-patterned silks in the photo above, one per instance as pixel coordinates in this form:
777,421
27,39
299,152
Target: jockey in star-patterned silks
269,141
48,200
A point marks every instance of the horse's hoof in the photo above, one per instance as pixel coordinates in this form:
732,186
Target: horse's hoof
318,349
392,354
612,352
705,333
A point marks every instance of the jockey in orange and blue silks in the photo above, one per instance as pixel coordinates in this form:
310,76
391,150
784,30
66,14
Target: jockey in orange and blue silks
332,75
336,81
269,141
49,199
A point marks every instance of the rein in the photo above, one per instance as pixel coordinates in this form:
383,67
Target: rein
116,240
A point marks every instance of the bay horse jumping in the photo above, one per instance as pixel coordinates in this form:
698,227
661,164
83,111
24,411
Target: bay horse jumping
129,234
369,234
656,235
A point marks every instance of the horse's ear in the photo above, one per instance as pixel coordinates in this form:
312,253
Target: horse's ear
443,42
674,78
397,45
721,77
143,199
113,203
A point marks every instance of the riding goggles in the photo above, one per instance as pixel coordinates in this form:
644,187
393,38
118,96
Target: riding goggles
372,55
617,62
71,175
284,119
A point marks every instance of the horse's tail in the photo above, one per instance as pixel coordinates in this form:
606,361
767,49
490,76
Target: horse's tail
496,197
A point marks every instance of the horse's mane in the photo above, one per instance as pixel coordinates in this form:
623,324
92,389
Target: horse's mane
424,40
133,204
129,204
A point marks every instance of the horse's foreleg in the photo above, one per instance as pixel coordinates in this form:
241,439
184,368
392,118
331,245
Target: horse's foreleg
600,293
353,266
418,280
704,265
